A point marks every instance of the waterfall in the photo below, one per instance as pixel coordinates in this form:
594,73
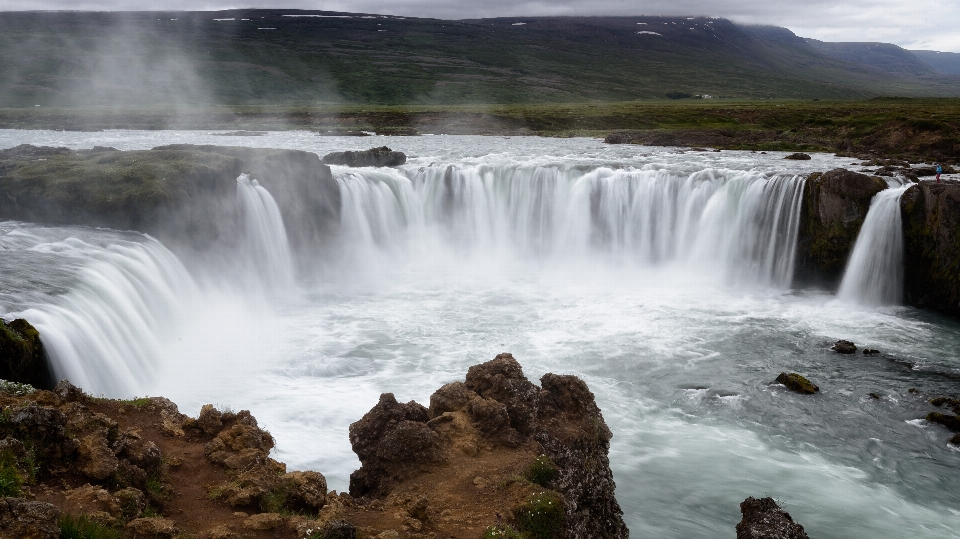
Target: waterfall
740,225
874,273
109,333
268,250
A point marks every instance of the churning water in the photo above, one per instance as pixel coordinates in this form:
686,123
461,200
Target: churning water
662,278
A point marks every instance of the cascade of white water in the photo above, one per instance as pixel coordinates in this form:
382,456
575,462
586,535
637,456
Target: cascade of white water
109,332
742,225
874,273
266,238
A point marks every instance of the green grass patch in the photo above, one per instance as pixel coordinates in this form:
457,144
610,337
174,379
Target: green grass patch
541,517
501,531
542,471
85,528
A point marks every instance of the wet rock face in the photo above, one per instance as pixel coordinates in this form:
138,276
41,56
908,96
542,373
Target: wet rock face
764,519
844,347
500,406
22,357
374,157
25,519
834,206
931,238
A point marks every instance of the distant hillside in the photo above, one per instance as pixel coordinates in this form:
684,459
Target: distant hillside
883,56
304,57
947,63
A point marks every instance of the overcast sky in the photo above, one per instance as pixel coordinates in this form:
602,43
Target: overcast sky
912,24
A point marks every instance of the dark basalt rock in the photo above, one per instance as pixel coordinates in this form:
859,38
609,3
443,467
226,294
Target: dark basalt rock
506,409
931,240
22,357
797,383
798,157
374,157
392,441
870,352
764,519
834,206
844,347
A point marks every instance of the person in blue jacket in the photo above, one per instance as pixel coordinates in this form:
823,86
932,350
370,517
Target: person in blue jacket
939,171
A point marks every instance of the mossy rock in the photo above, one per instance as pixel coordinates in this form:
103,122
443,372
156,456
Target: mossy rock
797,383
22,356
952,422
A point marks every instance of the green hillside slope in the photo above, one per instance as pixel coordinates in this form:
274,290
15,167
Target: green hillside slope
299,57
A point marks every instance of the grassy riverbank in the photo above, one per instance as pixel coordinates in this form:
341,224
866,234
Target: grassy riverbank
891,126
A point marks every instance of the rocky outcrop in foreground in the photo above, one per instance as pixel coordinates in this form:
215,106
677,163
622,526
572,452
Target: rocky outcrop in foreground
931,237
492,455
835,203
180,193
490,429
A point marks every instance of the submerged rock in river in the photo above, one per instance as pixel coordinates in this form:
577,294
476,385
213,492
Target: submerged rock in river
844,347
797,383
764,519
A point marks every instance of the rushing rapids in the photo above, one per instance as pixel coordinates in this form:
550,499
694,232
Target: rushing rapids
661,278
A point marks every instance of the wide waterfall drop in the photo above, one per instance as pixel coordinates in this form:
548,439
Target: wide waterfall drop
268,249
111,331
874,274
734,225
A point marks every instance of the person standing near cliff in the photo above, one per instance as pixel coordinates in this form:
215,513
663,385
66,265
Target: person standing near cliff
939,171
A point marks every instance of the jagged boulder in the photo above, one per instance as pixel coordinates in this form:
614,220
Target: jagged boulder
499,406
798,157
764,519
931,241
833,208
392,441
24,519
241,444
374,157
96,459
44,428
22,357
305,490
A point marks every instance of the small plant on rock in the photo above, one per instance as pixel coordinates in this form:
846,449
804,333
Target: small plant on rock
541,517
501,531
542,471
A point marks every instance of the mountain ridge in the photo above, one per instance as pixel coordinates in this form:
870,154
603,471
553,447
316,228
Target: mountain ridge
294,56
